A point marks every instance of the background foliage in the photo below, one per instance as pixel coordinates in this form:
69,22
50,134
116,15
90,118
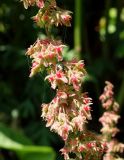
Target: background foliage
100,43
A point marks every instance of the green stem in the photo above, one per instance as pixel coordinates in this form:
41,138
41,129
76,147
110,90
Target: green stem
77,28
120,98
105,44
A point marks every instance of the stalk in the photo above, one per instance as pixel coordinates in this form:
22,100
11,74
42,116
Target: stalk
77,28
106,42
120,97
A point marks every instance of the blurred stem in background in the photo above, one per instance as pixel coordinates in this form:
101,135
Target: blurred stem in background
106,42
120,97
78,28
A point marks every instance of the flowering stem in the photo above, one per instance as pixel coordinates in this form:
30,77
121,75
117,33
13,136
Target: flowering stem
120,97
77,28
70,109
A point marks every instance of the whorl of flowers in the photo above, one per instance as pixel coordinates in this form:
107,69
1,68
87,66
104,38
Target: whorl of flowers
44,53
53,16
109,121
39,3
69,110
49,13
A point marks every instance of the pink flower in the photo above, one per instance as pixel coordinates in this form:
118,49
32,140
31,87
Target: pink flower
62,97
109,118
45,108
64,130
108,156
45,53
28,3
65,153
57,79
80,65
90,145
107,96
58,49
108,103
40,3
75,82
109,131
50,120
81,148
65,18
87,108
78,122
55,126
73,143
75,78
52,16
35,67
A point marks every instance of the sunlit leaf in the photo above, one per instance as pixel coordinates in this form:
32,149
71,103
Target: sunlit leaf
11,140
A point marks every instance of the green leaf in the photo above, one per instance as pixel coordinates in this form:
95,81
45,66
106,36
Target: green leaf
36,153
68,54
23,147
9,136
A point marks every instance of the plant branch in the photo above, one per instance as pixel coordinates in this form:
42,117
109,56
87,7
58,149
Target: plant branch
77,28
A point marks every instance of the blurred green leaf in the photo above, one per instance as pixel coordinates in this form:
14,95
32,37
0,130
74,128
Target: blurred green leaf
68,54
7,135
20,144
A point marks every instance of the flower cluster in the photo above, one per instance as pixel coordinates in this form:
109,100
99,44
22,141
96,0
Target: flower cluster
70,109
110,117
83,146
49,13
72,74
107,99
53,16
39,3
44,53
67,113
114,147
109,120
